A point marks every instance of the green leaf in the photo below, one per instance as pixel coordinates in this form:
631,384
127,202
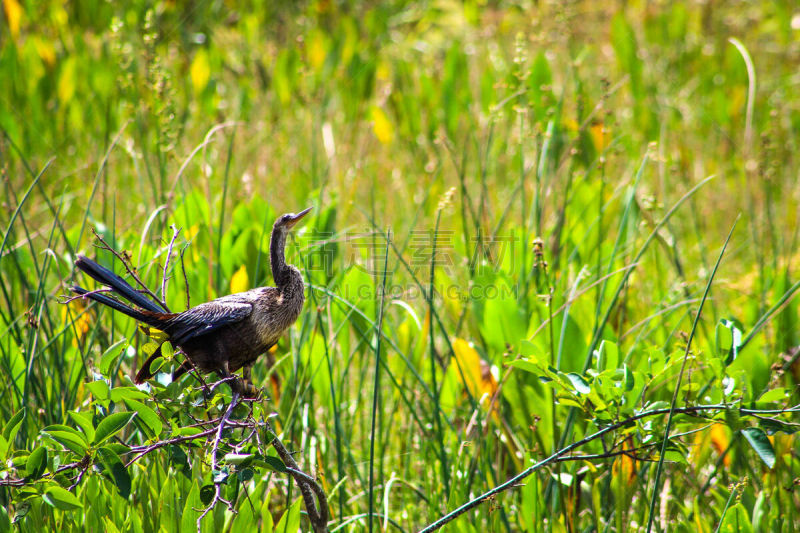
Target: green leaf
736,520
110,425
607,356
113,464
239,459
37,461
760,443
655,406
69,438
525,365
146,416
111,355
245,474
12,426
207,493
179,460
728,337
628,378
290,521
271,463
580,384
189,516
62,499
84,420
167,352
773,395
119,394
99,389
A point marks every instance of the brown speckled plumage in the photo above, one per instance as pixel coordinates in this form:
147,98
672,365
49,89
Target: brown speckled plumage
222,335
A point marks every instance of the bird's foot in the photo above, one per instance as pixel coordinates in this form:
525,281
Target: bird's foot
250,392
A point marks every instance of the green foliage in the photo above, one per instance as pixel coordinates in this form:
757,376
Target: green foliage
570,258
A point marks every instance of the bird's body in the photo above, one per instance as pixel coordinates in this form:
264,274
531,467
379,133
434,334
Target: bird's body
222,335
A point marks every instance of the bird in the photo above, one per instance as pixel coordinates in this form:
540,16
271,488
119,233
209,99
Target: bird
222,335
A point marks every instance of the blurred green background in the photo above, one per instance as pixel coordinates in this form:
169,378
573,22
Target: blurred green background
519,155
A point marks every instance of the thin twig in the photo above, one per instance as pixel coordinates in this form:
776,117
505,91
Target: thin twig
218,481
164,277
185,279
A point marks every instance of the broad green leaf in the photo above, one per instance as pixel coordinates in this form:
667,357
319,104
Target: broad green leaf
773,395
113,464
760,443
99,389
62,499
37,461
146,416
736,520
580,384
607,356
71,440
271,463
628,378
239,459
525,365
110,425
84,421
110,356
11,427
290,521
728,337
190,515
119,394
167,351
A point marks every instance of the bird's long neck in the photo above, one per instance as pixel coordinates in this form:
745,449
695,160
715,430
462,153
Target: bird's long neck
281,272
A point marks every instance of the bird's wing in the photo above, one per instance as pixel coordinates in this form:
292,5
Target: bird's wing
208,317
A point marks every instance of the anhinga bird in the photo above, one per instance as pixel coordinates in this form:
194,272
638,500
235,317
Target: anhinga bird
222,335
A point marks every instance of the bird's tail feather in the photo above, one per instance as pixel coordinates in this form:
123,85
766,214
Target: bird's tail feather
114,304
123,288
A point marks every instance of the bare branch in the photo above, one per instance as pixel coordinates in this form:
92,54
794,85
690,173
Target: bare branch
164,276
185,279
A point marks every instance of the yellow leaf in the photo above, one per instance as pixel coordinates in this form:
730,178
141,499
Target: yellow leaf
66,81
316,50
477,372
13,16
81,318
624,467
383,72
240,281
200,71
571,124
720,441
381,126
46,51
600,136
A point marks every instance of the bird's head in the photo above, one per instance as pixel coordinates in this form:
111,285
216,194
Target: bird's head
287,221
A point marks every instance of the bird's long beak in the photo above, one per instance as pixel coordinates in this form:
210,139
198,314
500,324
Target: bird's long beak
296,218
